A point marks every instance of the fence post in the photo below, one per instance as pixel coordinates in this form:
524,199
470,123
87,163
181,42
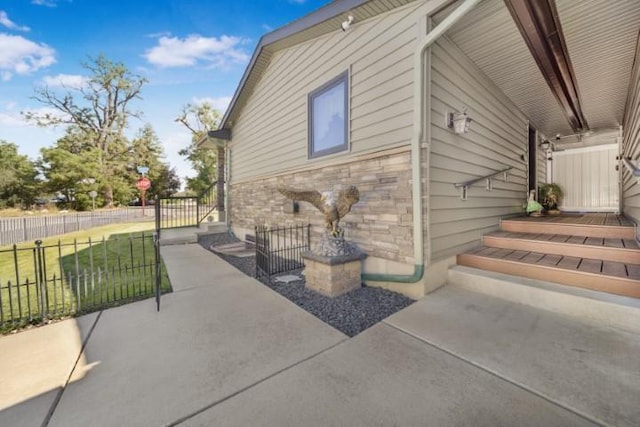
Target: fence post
255,230
158,213
156,244
197,211
41,279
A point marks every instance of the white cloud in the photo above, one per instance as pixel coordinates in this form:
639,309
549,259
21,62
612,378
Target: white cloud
70,81
6,22
47,3
12,118
160,34
22,56
267,28
195,49
220,103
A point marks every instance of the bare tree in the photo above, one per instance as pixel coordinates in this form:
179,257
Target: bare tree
99,107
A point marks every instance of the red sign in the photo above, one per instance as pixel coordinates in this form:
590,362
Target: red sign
143,184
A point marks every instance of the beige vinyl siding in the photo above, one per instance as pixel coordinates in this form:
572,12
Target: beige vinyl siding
270,134
497,139
631,143
541,163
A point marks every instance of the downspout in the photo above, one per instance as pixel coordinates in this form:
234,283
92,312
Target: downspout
417,139
227,192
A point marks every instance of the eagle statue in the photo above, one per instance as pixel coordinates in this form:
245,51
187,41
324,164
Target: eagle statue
333,204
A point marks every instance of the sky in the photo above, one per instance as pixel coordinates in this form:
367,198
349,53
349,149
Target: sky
190,51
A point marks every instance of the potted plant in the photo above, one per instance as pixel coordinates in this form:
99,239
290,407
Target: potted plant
549,195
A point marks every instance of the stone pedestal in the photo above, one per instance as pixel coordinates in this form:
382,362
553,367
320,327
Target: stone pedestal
333,275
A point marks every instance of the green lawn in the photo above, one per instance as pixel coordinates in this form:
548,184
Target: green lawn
81,272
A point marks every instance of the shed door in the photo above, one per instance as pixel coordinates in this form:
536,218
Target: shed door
588,178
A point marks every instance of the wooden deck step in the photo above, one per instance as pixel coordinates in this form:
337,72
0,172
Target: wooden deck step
601,275
526,225
616,250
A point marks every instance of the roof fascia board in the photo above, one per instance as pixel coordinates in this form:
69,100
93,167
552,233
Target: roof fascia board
217,137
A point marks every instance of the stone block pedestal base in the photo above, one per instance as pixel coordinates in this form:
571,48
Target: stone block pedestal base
333,275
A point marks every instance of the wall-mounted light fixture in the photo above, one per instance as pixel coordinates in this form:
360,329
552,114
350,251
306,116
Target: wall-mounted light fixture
346,24
459,122
291,207
544,145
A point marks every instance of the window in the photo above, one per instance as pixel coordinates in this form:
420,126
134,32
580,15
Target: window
328,117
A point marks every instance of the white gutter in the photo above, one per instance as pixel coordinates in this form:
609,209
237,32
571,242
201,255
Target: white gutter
416,141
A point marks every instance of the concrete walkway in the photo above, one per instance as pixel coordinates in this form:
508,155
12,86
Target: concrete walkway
226,350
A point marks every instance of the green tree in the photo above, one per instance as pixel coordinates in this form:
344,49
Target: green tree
100,110
72,167
200,119
146,150
19,184
166,182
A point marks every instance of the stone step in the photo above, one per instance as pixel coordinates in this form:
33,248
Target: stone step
239,249
178,240
212,227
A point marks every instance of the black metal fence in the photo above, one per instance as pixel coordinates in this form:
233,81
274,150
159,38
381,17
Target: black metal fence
41,282
28,228
186,211
279,250
176,212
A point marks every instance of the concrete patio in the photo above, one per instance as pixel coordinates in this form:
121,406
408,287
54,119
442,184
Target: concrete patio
226,350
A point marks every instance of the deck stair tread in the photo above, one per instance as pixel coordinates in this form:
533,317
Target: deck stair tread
588,225
606,260
563,238
607,268
607,219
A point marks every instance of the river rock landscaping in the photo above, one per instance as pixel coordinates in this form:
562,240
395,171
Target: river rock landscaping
350,313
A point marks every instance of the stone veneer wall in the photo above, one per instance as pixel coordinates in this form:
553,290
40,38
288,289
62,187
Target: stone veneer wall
380,223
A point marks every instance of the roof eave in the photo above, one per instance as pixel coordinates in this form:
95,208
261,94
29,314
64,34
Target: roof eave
214,138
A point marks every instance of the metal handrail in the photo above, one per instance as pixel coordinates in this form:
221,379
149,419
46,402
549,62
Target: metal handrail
185,211
464,186
207,202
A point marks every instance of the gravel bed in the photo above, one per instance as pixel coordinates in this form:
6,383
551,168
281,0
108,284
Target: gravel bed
350,313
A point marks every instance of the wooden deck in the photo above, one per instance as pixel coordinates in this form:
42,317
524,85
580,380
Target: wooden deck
567,245
602,225
595,251
590,218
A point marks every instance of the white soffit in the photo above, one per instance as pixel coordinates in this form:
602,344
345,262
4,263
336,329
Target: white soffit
601,37
490,38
